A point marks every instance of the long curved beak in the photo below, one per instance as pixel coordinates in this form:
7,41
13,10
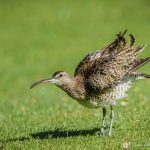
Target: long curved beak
39,82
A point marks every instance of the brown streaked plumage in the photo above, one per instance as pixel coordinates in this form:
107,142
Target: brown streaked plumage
103,76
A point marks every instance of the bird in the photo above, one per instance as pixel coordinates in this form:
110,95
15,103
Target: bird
103,76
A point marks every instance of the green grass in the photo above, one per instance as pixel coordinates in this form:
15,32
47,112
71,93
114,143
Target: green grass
40,37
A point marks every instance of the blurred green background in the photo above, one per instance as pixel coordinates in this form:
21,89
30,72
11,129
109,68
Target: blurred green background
38,38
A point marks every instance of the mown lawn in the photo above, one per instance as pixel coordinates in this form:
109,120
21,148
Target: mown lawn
38,38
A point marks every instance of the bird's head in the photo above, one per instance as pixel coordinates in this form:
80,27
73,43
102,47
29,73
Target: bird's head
59,78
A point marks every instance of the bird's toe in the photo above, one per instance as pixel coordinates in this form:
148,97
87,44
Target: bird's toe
101,132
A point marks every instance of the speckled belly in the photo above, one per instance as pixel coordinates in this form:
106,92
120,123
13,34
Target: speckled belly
107,97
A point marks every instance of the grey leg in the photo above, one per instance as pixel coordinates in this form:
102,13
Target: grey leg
103,121
111,120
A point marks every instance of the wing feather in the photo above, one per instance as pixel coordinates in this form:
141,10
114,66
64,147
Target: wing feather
105,68
89,59
109,71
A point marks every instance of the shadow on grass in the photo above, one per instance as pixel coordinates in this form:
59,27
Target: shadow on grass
55,134
63,134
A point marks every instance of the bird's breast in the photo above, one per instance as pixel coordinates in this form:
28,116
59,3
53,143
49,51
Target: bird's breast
107,97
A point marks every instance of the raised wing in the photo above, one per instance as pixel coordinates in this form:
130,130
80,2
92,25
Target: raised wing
113,64
89,59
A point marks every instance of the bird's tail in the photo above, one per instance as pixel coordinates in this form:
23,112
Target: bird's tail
134,74
139,63
145,75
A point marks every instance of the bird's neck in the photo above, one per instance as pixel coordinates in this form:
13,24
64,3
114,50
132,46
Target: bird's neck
74,87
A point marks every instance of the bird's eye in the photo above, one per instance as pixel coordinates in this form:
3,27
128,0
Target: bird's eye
60,75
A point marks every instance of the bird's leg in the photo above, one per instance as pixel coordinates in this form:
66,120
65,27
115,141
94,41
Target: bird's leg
103,121
111,120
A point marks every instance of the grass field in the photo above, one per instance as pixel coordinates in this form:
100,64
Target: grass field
38,38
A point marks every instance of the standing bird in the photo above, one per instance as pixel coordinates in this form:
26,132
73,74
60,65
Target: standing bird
103,76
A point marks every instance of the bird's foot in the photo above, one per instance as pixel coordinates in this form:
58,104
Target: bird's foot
101,131
109,133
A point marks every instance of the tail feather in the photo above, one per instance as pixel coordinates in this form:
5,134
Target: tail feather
137,75
145,75
139,63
